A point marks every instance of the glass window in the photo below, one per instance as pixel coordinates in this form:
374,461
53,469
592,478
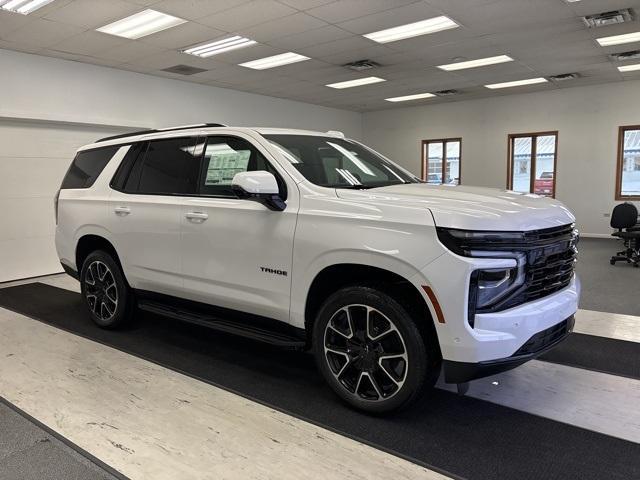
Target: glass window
532,163
628,175
339,163
124,169
170,167
87,167
224,157
441,161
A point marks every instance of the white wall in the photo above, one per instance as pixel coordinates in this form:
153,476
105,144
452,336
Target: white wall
50,107
587,119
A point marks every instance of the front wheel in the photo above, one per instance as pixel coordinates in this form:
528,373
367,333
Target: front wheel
105,291
370,350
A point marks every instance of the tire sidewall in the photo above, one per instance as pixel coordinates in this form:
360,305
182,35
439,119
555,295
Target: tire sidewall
414,344
124,300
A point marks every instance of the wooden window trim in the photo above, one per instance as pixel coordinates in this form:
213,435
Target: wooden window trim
534,143
425,157
621,130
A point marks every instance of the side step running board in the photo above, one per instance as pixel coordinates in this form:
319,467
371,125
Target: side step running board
236,327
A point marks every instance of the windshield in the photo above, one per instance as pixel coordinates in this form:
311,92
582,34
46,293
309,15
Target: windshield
338,163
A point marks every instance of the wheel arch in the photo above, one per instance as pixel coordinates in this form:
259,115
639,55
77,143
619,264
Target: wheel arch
90,243
337,276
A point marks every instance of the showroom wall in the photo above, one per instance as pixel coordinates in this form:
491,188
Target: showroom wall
49,107
587,119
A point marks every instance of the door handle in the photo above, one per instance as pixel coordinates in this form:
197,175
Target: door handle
122,211
197,217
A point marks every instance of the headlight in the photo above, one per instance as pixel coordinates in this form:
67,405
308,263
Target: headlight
488,286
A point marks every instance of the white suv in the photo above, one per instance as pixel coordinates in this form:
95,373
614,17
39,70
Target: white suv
309,240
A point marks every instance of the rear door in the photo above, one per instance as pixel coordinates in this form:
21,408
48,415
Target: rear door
236,253
146,207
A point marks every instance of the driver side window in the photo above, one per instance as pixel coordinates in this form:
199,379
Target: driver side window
223,158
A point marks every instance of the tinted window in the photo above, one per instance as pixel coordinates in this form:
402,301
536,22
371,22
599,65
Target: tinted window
223,158
87,166
170,167
124,169
338,163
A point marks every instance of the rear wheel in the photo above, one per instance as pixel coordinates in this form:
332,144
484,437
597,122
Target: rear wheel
370,350
105,291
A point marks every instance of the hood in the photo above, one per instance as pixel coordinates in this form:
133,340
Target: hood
472,208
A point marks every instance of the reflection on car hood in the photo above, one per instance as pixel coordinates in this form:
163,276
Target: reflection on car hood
472,208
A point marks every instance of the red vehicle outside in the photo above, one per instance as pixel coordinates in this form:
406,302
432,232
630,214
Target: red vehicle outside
544,184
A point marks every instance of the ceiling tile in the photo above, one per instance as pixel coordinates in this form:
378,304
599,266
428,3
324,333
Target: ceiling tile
247,15
93,13
343,10
400,15
313,37
282,27
88,43
305,4
40,32
129,51
195,9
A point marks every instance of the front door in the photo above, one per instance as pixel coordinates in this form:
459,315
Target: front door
236,253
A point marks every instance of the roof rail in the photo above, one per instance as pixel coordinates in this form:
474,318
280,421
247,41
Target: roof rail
158,130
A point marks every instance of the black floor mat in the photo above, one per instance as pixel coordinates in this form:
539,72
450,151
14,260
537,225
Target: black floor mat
461,436
601,354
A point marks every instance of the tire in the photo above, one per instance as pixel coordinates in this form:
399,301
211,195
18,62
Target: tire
351,357
105,292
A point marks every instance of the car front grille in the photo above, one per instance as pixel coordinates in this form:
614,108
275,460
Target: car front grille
550,262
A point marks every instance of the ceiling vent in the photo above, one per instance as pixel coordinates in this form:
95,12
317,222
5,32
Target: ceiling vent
563,77
621,57
608,18
362,65
184,70
446,93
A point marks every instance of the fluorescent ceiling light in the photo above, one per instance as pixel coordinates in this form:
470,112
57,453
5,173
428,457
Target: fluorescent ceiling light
629,68
481,62
141,24
24,7
432,25
357,82
410,97
619,39
274,61
213,48
517,83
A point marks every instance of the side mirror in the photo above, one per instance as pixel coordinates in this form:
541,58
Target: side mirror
260,186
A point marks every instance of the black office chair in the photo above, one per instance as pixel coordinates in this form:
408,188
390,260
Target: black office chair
625,219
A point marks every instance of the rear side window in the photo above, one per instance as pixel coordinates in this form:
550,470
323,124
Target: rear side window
124,170
87,167
169,167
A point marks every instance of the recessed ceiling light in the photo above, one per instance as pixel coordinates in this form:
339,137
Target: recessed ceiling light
274,61
24,7
517,83
213,48
410,97
481,62
619,39
357,82
424,27
141,24
629,68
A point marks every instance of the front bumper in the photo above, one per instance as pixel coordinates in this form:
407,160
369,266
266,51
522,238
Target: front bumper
541,342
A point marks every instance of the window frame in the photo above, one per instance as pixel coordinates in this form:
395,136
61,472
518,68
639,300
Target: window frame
425,158
534,145
619,163
204,141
